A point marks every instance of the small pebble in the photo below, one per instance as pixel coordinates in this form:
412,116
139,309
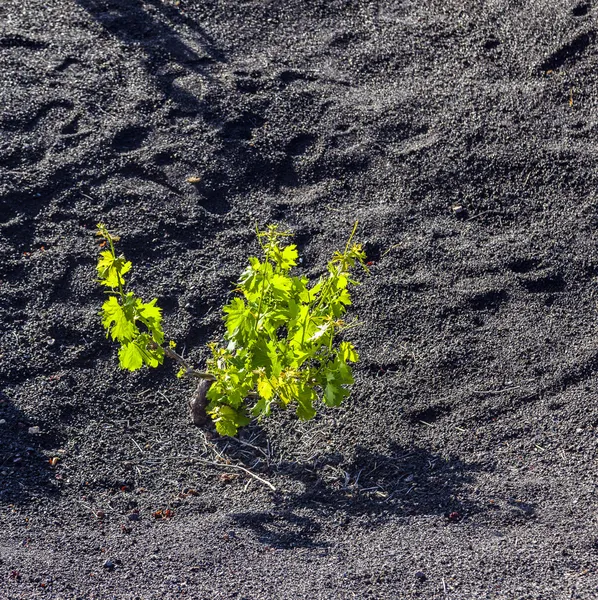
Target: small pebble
133,517
109,565
34,430
420,576
2,421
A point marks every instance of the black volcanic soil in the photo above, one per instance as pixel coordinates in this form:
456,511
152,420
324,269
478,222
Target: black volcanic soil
463,137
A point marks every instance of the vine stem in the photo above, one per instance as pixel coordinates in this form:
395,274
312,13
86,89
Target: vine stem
188,368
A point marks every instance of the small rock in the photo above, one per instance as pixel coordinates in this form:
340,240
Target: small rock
133,517
34,430
109,565
420,576
2,421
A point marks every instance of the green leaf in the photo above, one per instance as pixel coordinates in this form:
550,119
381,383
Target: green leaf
266,395
345,298
112,269
151,315
334,393
117,322
305,403
265,389
314,291
251,279
289,257
239,321
133,355
287,390
130,356
348,353
280,287
303,327
150,311
227,419
226,427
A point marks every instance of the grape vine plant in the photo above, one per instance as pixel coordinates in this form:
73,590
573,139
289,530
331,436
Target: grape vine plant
282,344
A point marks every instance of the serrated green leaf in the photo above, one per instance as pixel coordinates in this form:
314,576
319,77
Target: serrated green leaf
112,269
303,327
151,315
130,356
305,403
348,353
133,355
150,311
289,257
264,389
301,355
251,279
287,390
261,408
280,287
345,297
238,317
117,322
226,427
334,394
314,291
227,419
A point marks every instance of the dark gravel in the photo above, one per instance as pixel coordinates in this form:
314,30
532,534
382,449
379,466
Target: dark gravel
462,136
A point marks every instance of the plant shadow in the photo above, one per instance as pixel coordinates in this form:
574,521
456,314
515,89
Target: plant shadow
370,488
152,25
25,470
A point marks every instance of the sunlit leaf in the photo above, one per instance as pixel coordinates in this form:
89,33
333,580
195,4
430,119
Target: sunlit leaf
289,257
130,356
348,352
116,321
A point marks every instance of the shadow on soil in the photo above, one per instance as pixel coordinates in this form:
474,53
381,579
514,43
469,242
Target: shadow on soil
153,25
25,472
369,489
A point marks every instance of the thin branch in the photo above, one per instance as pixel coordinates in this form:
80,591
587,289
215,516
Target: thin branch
239,467
188,368
225,462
